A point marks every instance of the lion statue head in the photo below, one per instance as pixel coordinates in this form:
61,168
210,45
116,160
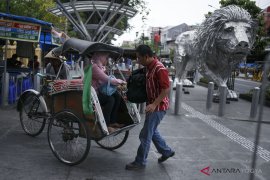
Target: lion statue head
223,40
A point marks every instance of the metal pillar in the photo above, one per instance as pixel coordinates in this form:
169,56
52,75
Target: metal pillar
178,96
37,82
209,95
255,102
5,86
5,75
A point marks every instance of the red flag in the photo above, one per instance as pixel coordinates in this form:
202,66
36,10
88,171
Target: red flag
156,38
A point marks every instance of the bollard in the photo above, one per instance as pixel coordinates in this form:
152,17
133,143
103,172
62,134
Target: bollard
36,82
222,100
178,95
5,89
209,95
142,108
82,65
255,102
171,93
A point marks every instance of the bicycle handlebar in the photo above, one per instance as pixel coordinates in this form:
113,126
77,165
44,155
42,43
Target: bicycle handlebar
45,75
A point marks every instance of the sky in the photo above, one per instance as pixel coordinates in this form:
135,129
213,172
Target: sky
172,13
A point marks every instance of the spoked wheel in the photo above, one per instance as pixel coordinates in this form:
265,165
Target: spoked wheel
31,117
113,141
68,138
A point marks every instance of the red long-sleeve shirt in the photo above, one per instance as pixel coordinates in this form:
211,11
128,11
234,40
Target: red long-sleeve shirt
157,78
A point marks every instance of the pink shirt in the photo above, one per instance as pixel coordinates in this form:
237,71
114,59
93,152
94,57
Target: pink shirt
99,77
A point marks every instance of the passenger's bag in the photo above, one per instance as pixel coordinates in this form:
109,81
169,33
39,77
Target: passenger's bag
136,86
108,89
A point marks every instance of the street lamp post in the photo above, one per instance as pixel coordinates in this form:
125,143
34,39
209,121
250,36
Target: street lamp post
4,90
212,6
143,38
136,39
159,43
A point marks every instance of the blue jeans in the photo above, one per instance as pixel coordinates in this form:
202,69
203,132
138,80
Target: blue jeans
150,133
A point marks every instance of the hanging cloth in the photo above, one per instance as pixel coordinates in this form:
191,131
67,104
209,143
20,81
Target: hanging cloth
86,98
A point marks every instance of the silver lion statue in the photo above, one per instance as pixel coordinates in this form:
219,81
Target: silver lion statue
221,42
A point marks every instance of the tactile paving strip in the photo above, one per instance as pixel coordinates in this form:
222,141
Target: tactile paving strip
263,153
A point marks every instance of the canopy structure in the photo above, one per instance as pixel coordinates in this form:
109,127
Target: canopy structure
95,20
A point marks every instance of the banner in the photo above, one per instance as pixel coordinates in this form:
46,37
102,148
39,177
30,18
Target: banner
58,38
21,31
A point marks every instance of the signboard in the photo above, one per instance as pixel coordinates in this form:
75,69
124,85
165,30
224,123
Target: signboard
21,31
56,40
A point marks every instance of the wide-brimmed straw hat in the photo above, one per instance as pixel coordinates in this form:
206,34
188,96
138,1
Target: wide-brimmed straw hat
51,55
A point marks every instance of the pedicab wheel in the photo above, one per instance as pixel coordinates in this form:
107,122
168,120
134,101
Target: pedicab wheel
68,138
30,115
113,142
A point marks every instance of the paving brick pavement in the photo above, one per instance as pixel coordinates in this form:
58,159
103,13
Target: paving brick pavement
223,147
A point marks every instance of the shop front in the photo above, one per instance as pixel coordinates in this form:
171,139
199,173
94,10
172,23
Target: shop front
25,37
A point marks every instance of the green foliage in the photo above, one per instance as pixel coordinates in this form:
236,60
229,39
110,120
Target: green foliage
254,11
249,5
204,80
141,7
172,53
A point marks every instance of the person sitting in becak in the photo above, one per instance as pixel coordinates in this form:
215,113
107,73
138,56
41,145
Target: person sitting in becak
110,103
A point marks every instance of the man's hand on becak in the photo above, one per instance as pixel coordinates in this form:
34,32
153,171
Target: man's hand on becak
150,108
122,87
123,82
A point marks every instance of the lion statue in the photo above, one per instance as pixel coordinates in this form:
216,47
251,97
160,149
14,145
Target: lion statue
221,42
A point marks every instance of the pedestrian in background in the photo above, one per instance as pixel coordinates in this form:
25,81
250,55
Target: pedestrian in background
157,88
34,64
13,62
128,62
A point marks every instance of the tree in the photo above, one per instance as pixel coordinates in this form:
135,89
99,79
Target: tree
172,54
255,12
